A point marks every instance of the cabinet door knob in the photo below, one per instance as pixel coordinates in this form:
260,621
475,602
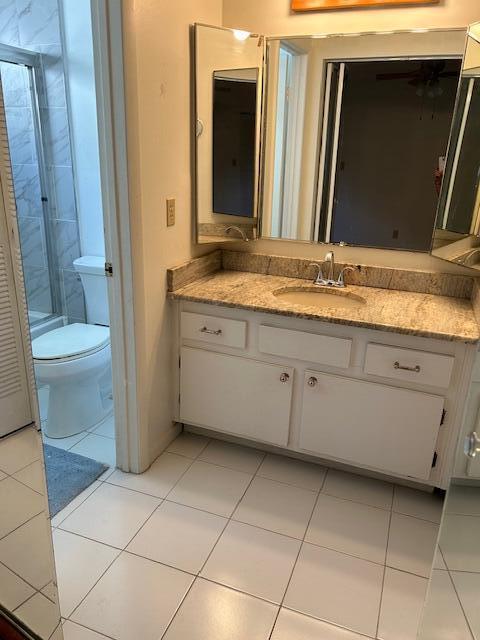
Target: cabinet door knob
312,381
472,445
284,377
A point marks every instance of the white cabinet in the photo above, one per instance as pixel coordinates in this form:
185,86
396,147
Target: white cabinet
377,402
220,331
373,425
420,367
300,345
235,395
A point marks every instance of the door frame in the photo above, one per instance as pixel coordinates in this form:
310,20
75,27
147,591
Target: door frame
110,95
110,92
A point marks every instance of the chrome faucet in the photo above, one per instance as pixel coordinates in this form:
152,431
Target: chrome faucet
330,281
240,231
330,258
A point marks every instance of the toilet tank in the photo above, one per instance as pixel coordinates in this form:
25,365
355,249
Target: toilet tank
94,282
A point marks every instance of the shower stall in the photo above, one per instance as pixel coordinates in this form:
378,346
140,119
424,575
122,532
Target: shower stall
22,81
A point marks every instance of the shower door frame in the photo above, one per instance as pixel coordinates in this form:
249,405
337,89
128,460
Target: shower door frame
32,62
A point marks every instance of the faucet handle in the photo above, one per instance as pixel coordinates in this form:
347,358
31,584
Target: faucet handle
341,276
319,272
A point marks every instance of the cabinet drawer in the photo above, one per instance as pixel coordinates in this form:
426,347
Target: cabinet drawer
230,333
301,345
368,424
236,395
432,369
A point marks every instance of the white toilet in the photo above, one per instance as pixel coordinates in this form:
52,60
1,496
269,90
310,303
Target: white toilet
73,360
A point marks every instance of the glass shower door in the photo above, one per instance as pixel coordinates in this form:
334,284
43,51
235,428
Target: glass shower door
19,85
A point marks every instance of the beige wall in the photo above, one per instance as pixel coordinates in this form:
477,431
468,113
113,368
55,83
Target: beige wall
157,76
273,17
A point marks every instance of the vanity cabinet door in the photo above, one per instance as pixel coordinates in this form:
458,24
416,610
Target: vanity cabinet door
386,428
235,395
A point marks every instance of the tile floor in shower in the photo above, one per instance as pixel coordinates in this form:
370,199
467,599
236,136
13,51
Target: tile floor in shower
97,442
453,608
222,542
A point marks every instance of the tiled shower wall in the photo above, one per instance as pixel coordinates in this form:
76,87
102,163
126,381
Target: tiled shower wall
34,25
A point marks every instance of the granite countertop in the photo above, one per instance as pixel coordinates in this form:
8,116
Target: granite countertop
419,314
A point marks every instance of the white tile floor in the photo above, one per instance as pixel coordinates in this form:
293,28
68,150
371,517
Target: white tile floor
26,568
97,443
452,609
222,542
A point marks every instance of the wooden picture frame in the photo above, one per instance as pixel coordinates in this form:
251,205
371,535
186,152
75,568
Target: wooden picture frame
322,5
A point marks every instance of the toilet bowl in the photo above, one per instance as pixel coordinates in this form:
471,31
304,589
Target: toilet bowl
72,361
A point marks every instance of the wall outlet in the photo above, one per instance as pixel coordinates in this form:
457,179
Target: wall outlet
170,212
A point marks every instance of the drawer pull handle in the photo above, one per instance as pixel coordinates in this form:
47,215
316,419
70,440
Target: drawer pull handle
284,377
397,365
312,382
214,332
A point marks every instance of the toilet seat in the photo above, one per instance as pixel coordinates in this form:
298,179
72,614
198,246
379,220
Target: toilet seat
71,342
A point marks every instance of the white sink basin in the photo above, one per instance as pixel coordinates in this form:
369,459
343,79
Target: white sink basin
319,297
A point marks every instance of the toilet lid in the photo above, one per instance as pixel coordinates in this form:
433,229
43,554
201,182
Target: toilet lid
71,340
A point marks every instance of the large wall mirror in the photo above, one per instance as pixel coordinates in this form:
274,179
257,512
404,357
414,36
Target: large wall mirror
457,232
355,135
228,80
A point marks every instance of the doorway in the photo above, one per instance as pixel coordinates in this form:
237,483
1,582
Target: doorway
63,203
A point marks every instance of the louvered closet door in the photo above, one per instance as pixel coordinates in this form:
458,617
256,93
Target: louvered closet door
15,407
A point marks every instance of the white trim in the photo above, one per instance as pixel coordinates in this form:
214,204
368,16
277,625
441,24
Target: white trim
458,149
108,57
333,165
323,151
293,146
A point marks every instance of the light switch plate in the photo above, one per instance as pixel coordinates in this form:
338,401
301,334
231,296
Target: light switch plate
170,212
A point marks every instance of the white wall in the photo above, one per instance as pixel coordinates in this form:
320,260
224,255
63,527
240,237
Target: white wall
80,79
157,86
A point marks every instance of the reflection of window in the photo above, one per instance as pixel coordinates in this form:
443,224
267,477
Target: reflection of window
389,123
290,105
460,195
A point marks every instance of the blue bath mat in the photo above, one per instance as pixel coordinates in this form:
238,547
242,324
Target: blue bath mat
68,474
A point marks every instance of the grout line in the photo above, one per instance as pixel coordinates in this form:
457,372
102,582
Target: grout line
88,628
384,574
78,505
43,511
23,579
94,585
24,483
211,551
298,553
467,621
334,625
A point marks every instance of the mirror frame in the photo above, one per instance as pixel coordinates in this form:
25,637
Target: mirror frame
467,239
196,125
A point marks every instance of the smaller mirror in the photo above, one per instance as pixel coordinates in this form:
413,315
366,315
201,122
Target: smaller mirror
457,233
228,67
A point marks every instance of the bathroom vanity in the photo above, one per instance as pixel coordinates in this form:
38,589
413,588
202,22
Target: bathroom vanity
380,386
347,146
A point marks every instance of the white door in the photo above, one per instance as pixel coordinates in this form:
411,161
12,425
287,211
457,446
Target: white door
373,425
236,395
15,406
